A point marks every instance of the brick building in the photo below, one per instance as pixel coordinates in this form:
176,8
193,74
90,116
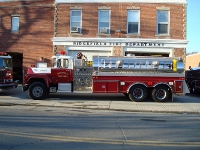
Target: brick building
31,30
115,27
26,29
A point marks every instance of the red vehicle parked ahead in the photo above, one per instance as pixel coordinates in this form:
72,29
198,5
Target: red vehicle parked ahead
6,72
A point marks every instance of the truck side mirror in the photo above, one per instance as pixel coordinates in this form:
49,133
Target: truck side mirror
190,67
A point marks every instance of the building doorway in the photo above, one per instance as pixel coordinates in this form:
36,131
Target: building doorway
17,65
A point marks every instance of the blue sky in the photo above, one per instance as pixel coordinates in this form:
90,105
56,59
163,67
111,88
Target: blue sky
193,26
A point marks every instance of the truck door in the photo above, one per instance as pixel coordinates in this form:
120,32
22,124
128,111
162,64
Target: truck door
62,75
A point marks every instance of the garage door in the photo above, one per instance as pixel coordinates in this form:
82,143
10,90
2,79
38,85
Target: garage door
89,54
165,52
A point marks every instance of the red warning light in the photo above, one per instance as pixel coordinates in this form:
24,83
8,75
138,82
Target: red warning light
3,54
62,53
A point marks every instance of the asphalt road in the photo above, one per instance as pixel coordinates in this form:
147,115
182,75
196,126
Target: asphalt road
33,128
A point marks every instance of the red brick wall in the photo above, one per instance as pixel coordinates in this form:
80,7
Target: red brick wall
36,29
119,18
37,25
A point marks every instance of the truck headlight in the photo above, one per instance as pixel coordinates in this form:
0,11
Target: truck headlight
8,74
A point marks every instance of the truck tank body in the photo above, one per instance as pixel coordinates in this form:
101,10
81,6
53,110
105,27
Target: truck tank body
115,64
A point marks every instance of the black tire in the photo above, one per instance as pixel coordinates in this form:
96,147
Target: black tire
192,89
37,91
138,93
160,93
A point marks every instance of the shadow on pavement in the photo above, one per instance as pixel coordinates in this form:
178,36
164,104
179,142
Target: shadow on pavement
19,94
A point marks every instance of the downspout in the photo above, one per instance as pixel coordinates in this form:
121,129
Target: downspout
55,26
184,30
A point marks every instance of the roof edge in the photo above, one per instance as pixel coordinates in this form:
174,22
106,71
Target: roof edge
124,1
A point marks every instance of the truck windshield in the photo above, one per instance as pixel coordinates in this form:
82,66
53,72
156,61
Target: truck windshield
57,63
5,63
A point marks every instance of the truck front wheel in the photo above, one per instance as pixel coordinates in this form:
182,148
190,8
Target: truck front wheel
160,94
138,93
37,91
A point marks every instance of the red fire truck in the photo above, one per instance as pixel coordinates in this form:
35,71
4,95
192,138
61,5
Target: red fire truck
135,77
6,72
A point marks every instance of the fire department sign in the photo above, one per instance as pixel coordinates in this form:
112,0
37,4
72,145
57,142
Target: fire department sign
132,44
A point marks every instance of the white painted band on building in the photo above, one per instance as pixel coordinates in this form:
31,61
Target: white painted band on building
107,46
125,42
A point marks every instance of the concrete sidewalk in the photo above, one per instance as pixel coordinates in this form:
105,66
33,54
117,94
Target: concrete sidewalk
181,104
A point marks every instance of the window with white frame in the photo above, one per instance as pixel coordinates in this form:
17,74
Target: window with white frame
133,21
104,21
76,21
15,24
162,22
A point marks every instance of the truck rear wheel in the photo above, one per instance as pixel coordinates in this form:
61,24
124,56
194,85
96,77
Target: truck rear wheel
138,93
192,89
160,94
37,91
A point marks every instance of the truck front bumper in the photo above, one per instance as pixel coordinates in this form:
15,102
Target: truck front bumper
24,87
8,86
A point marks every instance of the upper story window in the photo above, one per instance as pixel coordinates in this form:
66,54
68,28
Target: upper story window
162,22
133,22
15,24
76,21
104,21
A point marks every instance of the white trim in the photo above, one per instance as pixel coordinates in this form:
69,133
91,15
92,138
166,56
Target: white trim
123,1
126,42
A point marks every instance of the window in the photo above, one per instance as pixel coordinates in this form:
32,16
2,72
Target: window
76,21
133,22
104,21
5,62
65,63
15,24
162,22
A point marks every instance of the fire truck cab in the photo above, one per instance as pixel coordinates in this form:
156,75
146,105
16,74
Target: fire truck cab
135,77
6,72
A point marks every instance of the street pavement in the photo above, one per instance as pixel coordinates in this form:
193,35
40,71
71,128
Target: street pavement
181,103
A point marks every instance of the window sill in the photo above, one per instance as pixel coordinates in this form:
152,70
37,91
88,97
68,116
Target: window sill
162,35
75,34
103,34
133,35
14,32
